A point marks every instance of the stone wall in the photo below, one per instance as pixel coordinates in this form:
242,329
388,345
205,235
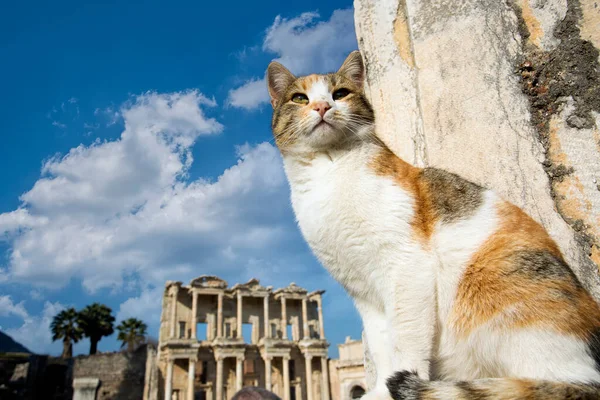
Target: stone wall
34,377
14,374
151,378
121,375
504,93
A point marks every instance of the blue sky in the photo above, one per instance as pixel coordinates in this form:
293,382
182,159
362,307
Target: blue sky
136,148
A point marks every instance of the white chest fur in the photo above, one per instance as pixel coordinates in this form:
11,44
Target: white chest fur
356,222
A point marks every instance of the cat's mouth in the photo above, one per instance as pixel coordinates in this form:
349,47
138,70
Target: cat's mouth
322,127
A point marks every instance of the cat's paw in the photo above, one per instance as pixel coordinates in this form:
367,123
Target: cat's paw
378,393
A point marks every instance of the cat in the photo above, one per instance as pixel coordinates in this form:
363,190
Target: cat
462,294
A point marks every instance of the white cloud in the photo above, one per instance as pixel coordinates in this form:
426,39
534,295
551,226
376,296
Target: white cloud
35,332
62,117
35,294
251,95
19,219
115,208
7,307
146,306
109,114
304,46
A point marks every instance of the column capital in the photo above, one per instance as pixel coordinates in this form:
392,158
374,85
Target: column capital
286,357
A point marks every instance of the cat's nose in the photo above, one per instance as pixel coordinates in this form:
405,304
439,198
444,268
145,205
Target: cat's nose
321,107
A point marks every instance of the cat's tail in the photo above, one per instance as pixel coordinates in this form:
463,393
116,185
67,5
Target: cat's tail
407,386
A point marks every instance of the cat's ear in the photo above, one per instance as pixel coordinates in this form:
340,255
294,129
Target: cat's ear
278,80
354,69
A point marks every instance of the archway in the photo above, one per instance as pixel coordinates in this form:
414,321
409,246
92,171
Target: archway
356,392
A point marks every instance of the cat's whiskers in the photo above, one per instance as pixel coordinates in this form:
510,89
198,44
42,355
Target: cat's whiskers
292,132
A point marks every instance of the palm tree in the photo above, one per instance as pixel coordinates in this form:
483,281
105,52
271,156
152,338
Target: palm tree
96,320
65,326
132,332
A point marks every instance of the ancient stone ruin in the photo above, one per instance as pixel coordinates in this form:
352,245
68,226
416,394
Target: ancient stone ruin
347,373
215,339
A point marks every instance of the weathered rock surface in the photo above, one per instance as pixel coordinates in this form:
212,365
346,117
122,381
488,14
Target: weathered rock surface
506,94
112,375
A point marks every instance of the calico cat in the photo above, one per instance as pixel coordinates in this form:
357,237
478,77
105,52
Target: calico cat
462,295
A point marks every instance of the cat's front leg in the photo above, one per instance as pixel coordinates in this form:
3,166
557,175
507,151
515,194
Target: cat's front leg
380,348
411,315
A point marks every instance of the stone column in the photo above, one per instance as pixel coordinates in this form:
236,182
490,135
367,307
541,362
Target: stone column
175,291
266,317
220,316
239,315
191,376
298,386
219,388
304,319
283,319
309,389
239,373
169,380
286,377
321,326
325,376
194,314
268,373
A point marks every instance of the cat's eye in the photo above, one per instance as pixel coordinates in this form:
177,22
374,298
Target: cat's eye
340,94
300,98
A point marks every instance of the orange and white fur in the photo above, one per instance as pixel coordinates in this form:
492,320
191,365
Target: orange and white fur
462,295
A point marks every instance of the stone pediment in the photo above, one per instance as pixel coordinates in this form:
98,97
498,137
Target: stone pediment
170,284
253,285
208,281
292,288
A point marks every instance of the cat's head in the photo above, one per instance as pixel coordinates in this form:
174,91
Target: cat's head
319,112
